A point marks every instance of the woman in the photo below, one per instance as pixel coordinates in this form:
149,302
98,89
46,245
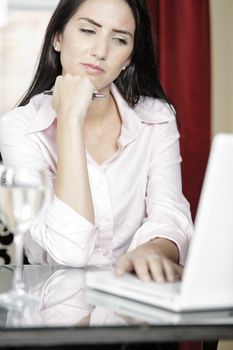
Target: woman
114,162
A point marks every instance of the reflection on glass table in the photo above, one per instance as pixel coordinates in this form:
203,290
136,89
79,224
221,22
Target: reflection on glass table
64,301
155,315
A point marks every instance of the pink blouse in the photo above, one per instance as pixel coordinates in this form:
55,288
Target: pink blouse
137,193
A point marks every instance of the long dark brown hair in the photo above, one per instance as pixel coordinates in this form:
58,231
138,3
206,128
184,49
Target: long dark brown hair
140,78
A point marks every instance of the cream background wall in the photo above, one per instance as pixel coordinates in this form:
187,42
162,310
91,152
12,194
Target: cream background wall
221,20
20,42
221,14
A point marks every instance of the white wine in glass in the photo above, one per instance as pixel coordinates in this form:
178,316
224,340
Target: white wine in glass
22,197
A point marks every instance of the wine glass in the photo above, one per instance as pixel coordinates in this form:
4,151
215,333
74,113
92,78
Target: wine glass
22,197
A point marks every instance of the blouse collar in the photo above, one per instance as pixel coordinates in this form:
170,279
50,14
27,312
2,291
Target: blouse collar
147,111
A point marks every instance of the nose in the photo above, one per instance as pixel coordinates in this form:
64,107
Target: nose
100,49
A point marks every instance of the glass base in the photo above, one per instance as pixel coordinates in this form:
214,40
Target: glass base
17,300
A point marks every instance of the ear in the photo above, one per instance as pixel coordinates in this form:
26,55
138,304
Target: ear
127,63
57,42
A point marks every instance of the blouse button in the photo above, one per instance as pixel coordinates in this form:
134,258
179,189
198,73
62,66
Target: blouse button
106,252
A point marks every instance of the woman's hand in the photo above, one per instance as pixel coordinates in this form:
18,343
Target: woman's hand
72,96
149,262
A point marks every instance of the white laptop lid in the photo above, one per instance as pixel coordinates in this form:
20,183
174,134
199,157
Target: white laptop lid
208,276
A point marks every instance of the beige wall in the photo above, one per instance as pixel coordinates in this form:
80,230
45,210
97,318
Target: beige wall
20,42
222,65
221,14
225,345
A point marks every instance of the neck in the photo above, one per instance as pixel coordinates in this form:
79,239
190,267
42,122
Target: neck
100,109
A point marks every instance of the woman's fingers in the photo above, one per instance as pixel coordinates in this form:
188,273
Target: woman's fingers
172,271
123,265
179,271
140,266
164,270
156,267
133,262
149,266
72,95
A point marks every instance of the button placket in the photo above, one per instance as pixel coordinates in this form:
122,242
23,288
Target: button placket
104,205
103,211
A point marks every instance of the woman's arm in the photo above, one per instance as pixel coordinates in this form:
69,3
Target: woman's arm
71,100
61,234
162,241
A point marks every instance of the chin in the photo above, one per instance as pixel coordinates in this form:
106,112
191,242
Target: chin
102,88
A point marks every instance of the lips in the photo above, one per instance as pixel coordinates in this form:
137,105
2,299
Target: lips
91,68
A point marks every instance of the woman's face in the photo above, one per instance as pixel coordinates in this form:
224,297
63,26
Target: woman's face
97,41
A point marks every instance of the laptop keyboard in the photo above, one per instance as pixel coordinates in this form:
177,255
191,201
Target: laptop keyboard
132,287
132,283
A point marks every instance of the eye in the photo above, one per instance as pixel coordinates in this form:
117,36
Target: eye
87,31
120,41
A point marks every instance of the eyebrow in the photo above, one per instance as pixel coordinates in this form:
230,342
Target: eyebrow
100,26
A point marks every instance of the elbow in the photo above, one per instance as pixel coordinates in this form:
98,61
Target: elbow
66,245
78,261
70,258
72,250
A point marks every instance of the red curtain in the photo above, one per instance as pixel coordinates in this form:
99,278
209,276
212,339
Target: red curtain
181,32
182,41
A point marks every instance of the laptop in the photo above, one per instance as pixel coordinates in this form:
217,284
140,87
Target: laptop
136,311
207,281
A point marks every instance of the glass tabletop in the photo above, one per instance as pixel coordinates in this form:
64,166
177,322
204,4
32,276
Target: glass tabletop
63,300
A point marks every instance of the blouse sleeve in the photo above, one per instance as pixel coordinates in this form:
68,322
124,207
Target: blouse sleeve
60,234
168,212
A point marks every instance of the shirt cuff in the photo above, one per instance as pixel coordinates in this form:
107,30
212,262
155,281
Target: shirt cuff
67,236
65,220
149,231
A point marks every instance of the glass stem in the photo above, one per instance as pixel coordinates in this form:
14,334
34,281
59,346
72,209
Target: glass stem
18,284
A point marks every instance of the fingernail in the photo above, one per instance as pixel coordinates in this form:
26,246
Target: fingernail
146,278
119,271
160,279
